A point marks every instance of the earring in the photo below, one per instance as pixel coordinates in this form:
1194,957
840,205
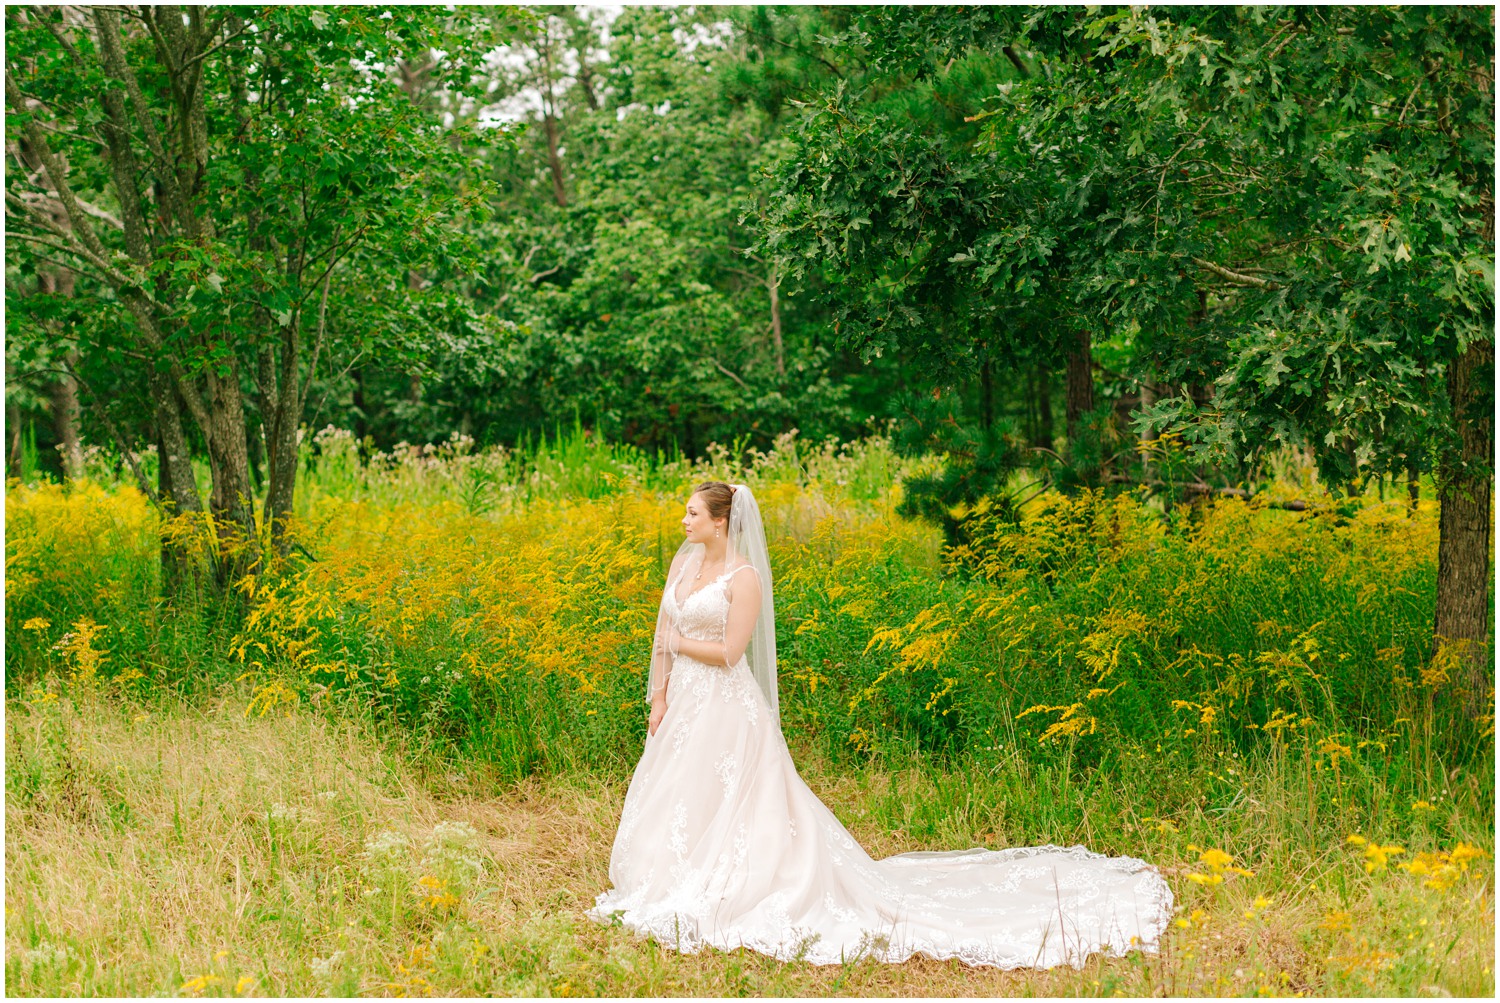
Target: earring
716,532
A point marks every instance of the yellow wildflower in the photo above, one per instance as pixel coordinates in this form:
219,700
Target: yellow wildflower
1377,855
1218,863
1337,921
1333,750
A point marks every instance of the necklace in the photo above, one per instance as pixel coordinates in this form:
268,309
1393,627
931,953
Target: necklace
699,575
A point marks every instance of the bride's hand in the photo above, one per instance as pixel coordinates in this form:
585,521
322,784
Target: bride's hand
658,711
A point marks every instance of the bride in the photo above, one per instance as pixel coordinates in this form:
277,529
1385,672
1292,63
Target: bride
721,844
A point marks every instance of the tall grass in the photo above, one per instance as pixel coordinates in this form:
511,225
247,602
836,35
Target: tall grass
1223,679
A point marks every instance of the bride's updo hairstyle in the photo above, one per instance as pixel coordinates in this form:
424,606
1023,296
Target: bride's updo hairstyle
717,496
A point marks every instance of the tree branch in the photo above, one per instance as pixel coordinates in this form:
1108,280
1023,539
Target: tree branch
1287,41
1200,488
112,50
54,171
111,277
87,207
71,266
40,13
1238,278
312,368
730,375
1015,60
227,39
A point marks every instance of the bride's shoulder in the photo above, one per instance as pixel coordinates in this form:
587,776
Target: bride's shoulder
744,576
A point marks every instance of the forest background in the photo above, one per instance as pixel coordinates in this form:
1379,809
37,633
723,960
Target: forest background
1068,286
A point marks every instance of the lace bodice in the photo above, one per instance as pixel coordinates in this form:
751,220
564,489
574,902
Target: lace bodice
704,613
703,616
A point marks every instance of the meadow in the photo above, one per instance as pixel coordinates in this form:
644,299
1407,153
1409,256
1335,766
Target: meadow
394,764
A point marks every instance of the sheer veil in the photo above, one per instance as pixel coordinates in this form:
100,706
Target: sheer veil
747,546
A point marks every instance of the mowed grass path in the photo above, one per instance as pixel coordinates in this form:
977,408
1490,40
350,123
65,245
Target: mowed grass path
195,850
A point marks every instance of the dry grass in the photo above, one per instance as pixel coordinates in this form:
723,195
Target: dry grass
198,851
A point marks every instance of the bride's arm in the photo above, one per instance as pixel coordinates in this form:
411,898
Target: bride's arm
744,607
661,652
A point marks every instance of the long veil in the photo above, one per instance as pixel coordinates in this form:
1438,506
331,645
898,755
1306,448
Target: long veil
747,546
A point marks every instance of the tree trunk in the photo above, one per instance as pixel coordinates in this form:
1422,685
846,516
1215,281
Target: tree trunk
65,424
986,395
13,447
1413,489
774,285
176,557
1464,540
1080,381
282,447
1043,436
231,500
64,392
1148,397
177,487
361,408
258,469
179,492
554,160
549,114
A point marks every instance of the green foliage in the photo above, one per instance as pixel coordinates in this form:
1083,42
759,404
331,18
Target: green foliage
976,466
1062,627
1287,205
308,187
616,249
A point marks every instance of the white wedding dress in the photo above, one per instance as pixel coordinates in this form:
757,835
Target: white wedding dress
721,844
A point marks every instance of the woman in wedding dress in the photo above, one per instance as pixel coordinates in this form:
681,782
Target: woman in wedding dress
721,844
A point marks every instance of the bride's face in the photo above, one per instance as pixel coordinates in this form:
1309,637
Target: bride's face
696,524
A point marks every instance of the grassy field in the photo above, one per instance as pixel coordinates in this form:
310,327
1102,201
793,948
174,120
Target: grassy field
395,766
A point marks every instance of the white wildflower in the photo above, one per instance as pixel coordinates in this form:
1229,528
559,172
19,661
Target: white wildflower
322,968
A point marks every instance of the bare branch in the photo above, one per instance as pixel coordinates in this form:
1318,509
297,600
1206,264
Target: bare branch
340,250
54,171
757,279
73,267
1238,278
244,27
41,12
731,375
110,276
112,50
312,368
746,252
88,207
1287,41
1015,60
1407,106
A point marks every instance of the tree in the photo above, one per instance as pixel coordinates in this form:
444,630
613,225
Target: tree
931,247
637,302
239,181
1279,221
1336,193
